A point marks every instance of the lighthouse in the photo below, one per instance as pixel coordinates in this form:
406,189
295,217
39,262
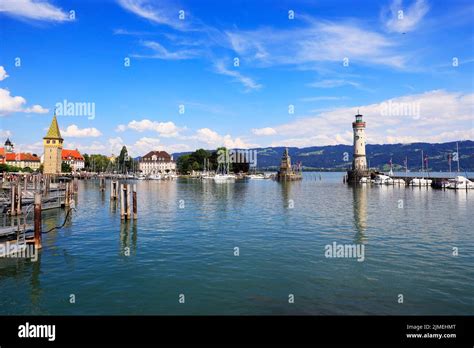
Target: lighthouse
360,161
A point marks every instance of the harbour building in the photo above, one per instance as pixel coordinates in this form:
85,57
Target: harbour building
20,160
157,162
74,159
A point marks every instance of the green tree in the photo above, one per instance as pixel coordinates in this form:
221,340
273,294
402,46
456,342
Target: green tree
195,166
87,161
182,163
124,160
65,168
96,163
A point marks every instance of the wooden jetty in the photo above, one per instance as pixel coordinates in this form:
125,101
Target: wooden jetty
402,180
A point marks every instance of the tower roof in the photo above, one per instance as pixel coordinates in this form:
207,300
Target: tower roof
8,142
53,132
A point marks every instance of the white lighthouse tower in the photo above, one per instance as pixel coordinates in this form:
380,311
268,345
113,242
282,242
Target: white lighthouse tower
360,161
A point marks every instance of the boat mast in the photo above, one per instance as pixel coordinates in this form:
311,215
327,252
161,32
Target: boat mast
406,166
422,164
457,154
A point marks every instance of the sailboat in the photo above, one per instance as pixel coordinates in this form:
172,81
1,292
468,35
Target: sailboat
155,176
255,176
223,173
207,175
421,181
459,182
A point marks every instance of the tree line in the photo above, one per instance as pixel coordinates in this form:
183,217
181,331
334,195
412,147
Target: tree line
195,161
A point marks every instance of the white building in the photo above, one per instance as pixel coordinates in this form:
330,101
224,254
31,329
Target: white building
155,162
74,159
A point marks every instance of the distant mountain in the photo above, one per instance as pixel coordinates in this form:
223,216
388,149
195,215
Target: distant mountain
339,157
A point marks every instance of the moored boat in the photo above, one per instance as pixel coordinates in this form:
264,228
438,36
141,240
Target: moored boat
460,183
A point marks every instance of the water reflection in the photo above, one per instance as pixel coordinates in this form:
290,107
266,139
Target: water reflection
36,291
194,245
128,242
287,201
360,197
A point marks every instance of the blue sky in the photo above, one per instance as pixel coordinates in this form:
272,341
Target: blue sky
399,72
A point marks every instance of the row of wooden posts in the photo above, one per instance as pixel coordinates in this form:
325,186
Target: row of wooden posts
15,208
126,193
38,182
71,189
125,201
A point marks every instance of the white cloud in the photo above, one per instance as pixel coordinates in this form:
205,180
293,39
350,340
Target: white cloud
321,98
5,133
74,131
36,148
36,109
214,139
318,41
248,82
39,10
10,104
155,12
3,73
165,129
333,83
443,116
160,52
144,145
408,19
121,128
111,146
264,131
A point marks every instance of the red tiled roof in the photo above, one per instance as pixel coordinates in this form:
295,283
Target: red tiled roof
72,154
12,157
2,151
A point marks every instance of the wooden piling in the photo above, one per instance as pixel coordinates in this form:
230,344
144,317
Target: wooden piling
102,184
135,213
18,199
113,189
66,195
129,193
122,202
37,218
12,199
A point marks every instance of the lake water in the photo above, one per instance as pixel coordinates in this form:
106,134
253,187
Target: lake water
185,238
